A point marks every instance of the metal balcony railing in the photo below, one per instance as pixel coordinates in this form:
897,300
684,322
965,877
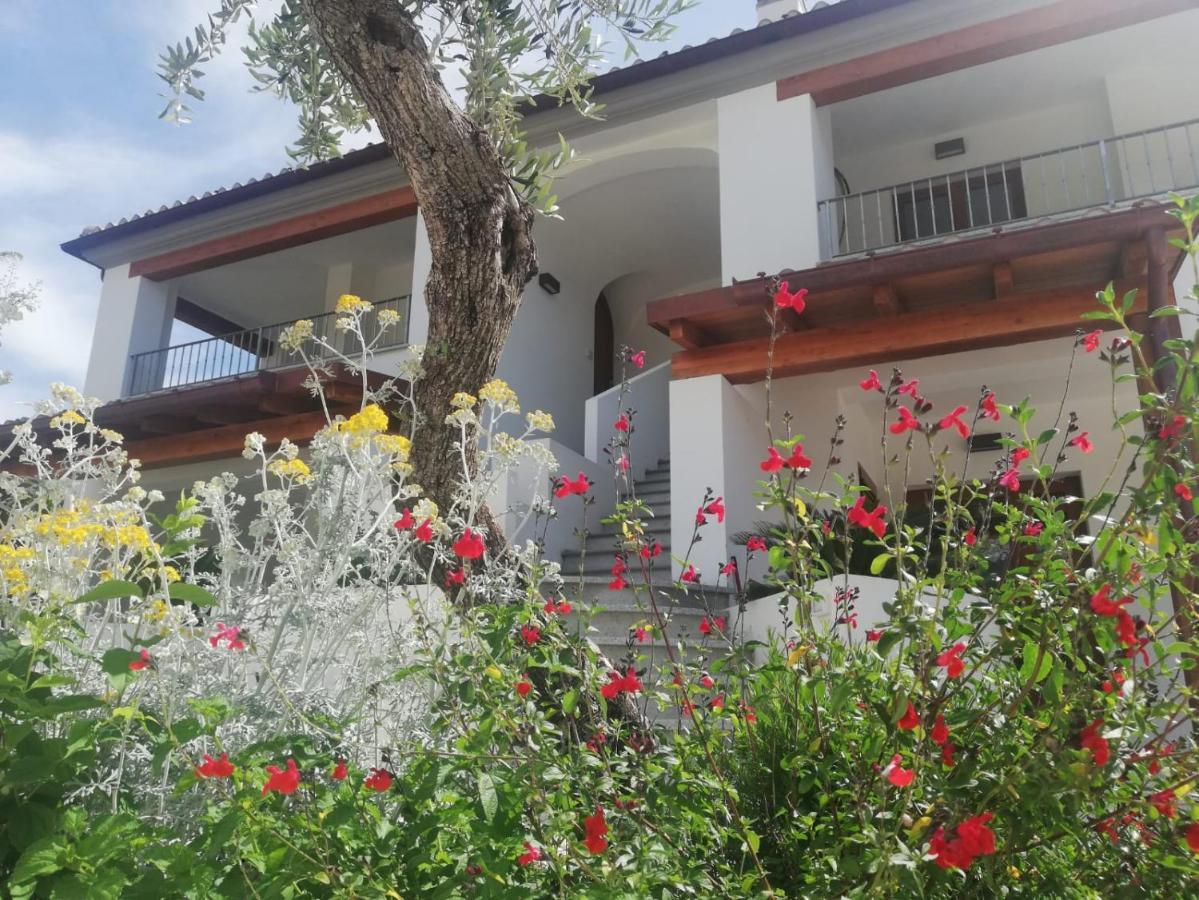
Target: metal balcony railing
1097,173
255,350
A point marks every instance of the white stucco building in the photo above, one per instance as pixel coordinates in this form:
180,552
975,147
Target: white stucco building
952,180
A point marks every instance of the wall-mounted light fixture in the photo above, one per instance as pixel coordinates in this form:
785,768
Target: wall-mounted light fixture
549,283
946,149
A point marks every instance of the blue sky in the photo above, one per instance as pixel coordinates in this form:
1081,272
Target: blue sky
81,144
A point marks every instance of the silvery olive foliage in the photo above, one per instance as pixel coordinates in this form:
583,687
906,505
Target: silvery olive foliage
16,297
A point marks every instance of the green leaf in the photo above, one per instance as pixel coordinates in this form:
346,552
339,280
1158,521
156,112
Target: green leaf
879,563
190,593
111,590
487,797
888,641
569,700
41,858
116,661
1031,651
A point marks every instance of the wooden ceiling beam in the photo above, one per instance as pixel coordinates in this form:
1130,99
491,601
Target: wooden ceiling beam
165,424
1007,36
225,441
1016,319
342,218
886,300
688,336
1001,275
1134,259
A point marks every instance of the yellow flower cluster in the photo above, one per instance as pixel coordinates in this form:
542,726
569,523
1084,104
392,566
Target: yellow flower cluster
351,303
395,444
82,525
70,417
499,394
369,421
540,421
291,468
295,334
388,317
10,567
463,400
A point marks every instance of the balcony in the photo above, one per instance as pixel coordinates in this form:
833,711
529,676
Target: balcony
1053,184
256,350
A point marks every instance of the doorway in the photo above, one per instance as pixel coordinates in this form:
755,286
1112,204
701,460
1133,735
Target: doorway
604,355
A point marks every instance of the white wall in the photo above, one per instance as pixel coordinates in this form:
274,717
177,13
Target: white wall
135,316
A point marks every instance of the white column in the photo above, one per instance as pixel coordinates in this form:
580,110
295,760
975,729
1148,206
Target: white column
717,439
338,281
776,163
135,316
422,262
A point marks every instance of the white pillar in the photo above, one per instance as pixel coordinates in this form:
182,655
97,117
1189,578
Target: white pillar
422,262
135,316
776,163
717,439
338,281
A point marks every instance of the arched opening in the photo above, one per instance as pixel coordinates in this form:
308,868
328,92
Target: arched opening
604,353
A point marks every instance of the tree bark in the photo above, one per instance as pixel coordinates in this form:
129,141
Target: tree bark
480,230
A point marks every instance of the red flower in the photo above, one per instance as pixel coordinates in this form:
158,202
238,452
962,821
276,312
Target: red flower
954,420
1163,802
340,771
872,521
910,720
530,856
595,830
215,768
1019,455
1010,480
624,463
566,487
873,634
641,633
379,780
940,732
144,662
951,659
897,775
971,538
424,532
622,423
751,718
405,521
1172,429
1192,836
871,382
618,566
1183,492
531,634
561,608
283,781
1083,442
1091,739
1126,630
618,684
947,754
1032,529
705,681
716,508
729,568
617,584
973,839
707,626
717,702
773,461
755,544
989,409
797,460
470,545
784,299
650,552
1103,605
229,633
458,576
689,574
638,359
523,686
907,422
910,388
1090,342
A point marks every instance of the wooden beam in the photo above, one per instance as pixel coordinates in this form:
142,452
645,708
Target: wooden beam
1033,29
165,424
1134,260
228,440
886,300
314,226
285,404
1015,319
1001,275
688,336
222,415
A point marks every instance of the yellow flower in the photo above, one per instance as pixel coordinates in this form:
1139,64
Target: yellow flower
295,334
499,394
351,303
293,468
70,417
540,421
395,444
463,400
371,420
171,574
388,317
157,612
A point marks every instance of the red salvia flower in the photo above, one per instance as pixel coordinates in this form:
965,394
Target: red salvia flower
1102,603
716,508
755,544
618,684
231,634
954,420
618,583
282,781
907,422
708,625
784,299
717,702
897,774
872,521
641,633
1010,480
947,754
650,551
470,545
1126,629
1172,429
1033,529
705,681
910,388
1083,442
530,634
456,577
974,838
729,568
940,732
1192,836
773,461
595,831
215,768
379,780
622,423
909,720
700,518
340,772
689,574
989,408
142,662
523,686
1183,492
559,608
531,855
1090,342
405,521
638,359
566,487
751,718
873,635
951,660
1164,802
797,460
1019,454
1091,739
424,531
1108,827
871,382
971,538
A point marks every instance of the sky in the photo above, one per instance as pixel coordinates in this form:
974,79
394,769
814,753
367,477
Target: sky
81,144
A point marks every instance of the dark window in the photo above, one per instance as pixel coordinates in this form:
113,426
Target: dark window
974,199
